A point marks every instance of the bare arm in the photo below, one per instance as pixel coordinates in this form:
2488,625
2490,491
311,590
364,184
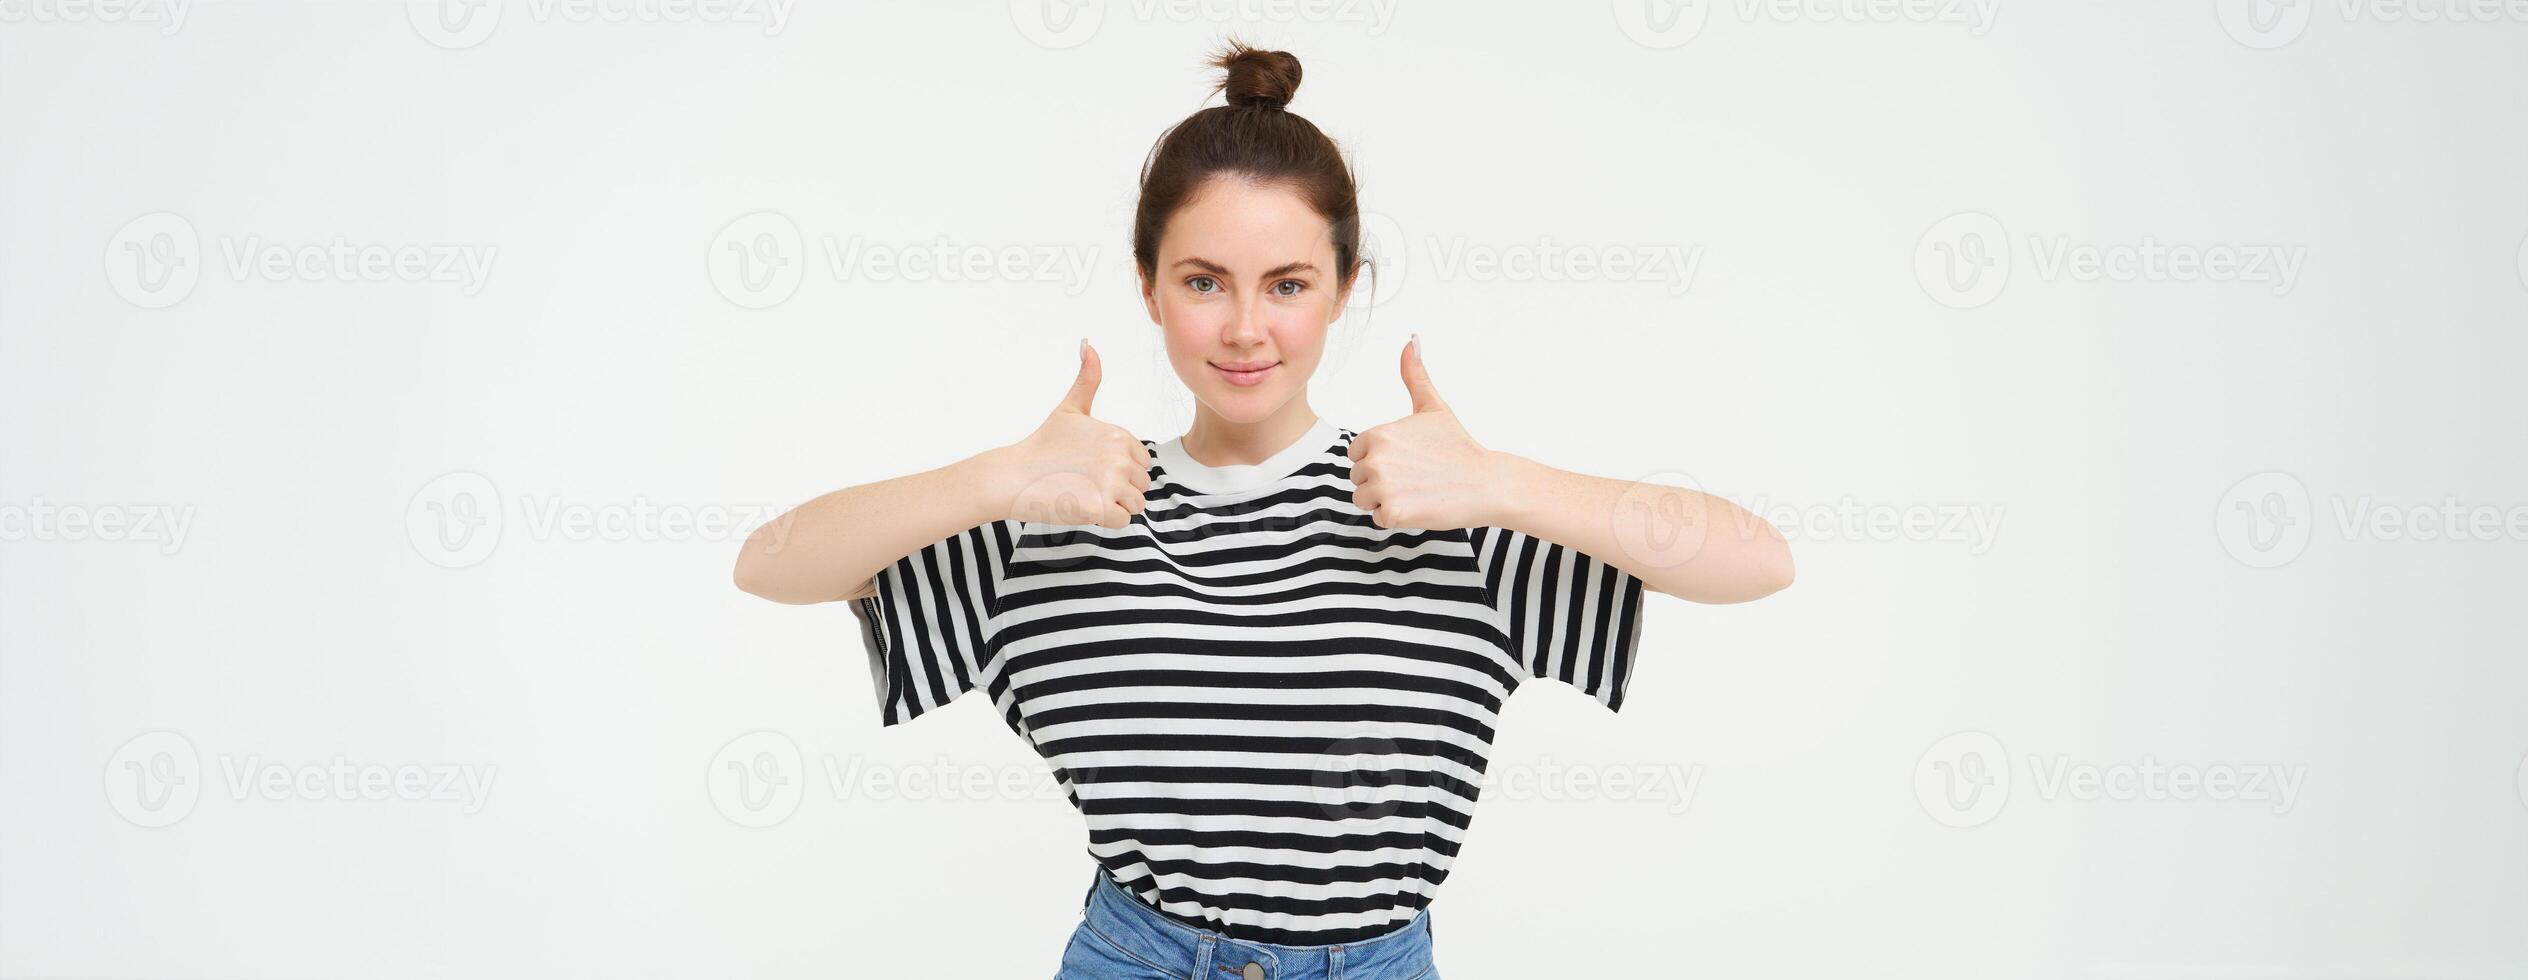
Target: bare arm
1686,543
1073,469
831,547
1425,471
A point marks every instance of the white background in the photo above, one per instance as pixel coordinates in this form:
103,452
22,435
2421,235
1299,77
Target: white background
2026,501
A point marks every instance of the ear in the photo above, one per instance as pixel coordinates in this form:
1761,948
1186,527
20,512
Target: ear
1150,298
1343,293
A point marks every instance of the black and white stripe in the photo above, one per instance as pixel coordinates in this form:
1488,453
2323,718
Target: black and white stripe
1273,714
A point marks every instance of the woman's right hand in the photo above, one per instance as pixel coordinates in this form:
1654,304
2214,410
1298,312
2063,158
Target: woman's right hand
1074,469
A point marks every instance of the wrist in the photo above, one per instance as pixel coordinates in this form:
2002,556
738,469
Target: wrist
1511,481
981,482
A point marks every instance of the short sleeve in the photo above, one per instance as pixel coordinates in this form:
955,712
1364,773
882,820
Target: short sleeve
927,630
1570,616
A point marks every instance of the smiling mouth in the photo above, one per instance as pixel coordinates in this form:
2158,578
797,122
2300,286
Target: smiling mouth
1246,372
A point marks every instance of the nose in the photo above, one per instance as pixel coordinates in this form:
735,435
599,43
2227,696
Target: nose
1247,325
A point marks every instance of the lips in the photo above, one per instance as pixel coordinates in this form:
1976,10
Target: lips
1245,373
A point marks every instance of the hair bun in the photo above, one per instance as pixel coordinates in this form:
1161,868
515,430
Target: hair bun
1256,78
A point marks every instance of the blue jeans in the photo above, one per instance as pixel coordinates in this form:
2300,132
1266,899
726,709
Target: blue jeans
1120,937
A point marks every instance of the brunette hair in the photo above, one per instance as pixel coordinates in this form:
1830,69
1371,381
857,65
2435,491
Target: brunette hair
1253,137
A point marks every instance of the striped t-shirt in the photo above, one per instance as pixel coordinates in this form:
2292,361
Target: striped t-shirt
1273,713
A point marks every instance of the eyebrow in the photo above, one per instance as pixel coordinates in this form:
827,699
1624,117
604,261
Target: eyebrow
1215,268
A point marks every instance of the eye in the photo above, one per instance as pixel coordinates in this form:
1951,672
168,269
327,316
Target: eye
1204,284
1297,287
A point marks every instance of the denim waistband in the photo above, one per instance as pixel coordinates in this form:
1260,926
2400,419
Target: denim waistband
1130,924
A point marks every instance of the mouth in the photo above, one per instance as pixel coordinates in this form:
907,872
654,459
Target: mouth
1245,373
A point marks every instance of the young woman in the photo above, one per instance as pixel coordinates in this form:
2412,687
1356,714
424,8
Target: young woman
1264,658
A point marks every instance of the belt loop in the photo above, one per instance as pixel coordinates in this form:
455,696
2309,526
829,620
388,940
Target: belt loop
1334,964
1202,957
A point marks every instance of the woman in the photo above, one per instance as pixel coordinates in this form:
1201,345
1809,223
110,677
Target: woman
1264,657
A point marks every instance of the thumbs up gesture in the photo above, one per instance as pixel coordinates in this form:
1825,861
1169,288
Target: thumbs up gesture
1423,471
1074,469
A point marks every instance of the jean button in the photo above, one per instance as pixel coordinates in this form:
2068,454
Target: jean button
1254,970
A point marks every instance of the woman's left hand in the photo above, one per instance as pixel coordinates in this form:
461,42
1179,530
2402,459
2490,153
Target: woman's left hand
1423,471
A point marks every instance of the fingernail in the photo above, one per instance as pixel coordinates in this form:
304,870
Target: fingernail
1418,349
1083,347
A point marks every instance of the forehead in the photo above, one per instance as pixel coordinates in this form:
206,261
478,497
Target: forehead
1246,225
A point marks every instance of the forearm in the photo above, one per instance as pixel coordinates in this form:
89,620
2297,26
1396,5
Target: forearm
1682,542
830,547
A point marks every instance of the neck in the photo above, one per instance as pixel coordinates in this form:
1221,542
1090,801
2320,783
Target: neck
1217,441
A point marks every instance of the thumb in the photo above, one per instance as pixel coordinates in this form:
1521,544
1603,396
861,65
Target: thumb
1417,380
1083,388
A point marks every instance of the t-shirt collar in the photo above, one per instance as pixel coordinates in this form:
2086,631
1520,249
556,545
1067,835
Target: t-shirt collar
1183,470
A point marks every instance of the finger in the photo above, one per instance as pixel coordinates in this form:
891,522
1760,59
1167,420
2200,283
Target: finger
1417,379
1116,517
1084,387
